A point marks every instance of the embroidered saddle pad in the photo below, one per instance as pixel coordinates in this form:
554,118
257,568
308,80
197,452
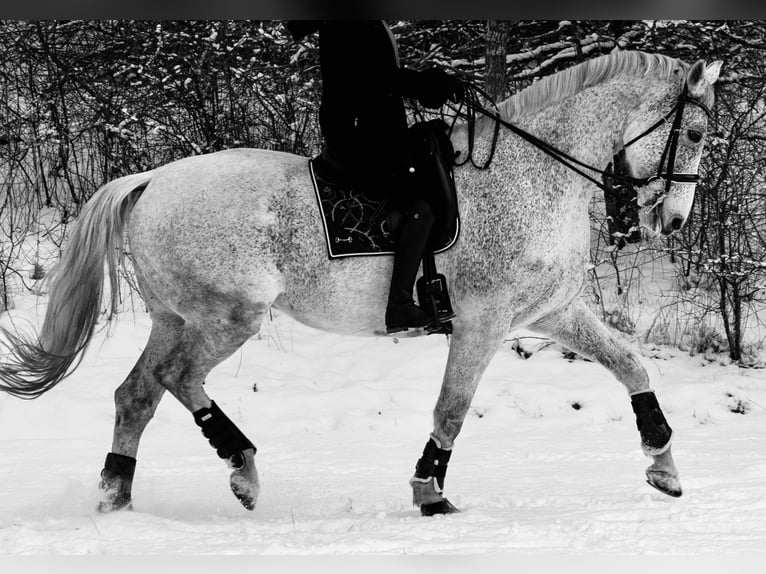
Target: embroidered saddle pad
356,223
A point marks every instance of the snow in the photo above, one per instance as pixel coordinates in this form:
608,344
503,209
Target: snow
340,422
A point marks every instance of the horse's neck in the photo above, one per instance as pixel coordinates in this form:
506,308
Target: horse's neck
588,126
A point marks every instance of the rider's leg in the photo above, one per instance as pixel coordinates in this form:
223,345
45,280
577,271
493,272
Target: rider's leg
402,313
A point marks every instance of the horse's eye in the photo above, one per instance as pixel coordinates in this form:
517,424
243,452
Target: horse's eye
695,136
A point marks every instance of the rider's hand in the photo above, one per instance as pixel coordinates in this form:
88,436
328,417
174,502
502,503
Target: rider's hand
437,87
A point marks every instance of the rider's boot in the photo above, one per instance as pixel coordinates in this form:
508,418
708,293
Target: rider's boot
401,312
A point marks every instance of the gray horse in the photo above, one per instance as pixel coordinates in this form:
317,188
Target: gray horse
217,240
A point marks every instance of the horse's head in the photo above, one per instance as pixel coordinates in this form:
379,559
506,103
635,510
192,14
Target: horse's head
664,140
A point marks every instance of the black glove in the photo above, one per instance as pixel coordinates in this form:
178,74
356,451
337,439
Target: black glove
299,29
436,87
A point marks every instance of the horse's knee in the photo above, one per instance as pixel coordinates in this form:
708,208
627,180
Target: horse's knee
655,431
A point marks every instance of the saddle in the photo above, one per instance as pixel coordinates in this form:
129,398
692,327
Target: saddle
432,159
359,221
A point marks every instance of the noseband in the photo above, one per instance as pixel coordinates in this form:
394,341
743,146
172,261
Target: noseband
473,94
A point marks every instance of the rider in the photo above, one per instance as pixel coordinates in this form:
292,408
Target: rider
364,126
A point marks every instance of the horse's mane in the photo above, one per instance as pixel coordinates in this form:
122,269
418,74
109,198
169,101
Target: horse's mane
557,87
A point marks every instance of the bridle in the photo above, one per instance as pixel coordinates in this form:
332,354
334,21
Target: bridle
473,95
669,152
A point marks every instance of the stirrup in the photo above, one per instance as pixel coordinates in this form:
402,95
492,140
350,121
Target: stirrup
432,293
404,323
440,327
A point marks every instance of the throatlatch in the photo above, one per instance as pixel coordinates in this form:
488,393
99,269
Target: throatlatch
655,431
117,481
223,435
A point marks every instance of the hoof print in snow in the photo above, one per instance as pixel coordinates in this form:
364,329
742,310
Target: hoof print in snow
737,405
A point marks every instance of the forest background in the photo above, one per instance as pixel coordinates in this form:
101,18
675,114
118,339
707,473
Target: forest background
84,102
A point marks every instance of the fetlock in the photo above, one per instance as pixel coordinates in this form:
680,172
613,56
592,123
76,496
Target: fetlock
655,431
235,448
433,461
116,483
428,482
222,434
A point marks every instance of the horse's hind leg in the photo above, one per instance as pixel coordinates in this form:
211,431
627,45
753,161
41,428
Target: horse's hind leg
197,347
579,329
135,401
177,358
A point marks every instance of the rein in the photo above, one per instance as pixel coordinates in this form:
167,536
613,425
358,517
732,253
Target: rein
474,93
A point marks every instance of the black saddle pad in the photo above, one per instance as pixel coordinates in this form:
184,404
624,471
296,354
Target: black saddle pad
355,223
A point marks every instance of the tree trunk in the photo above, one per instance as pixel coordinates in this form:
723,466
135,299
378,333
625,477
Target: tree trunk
724,311
735,351
498,32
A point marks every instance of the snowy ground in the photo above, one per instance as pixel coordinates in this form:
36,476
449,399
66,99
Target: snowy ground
340,422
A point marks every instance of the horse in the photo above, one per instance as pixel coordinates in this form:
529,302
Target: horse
218,240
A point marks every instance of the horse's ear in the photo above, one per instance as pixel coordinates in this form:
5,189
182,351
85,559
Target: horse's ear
713,71
700,77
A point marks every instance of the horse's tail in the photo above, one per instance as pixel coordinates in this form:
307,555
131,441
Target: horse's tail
36,363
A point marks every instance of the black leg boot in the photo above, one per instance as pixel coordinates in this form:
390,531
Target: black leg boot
402,313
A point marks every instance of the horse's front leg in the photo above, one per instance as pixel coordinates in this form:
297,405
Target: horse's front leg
579,329
471,349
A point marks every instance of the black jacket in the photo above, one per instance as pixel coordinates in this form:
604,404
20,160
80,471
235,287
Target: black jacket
362,114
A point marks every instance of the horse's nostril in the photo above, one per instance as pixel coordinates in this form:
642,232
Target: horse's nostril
677,223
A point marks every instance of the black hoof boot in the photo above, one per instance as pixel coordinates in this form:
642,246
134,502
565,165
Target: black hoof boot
234,447
655,431
403,316
116,483
444,506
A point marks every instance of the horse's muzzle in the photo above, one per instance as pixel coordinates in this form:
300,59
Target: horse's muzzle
673,224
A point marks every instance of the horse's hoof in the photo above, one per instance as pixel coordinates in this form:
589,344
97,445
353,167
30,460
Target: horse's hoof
105,507
115,495
116,483
244,481
112,501
666,482
244,493
444,506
